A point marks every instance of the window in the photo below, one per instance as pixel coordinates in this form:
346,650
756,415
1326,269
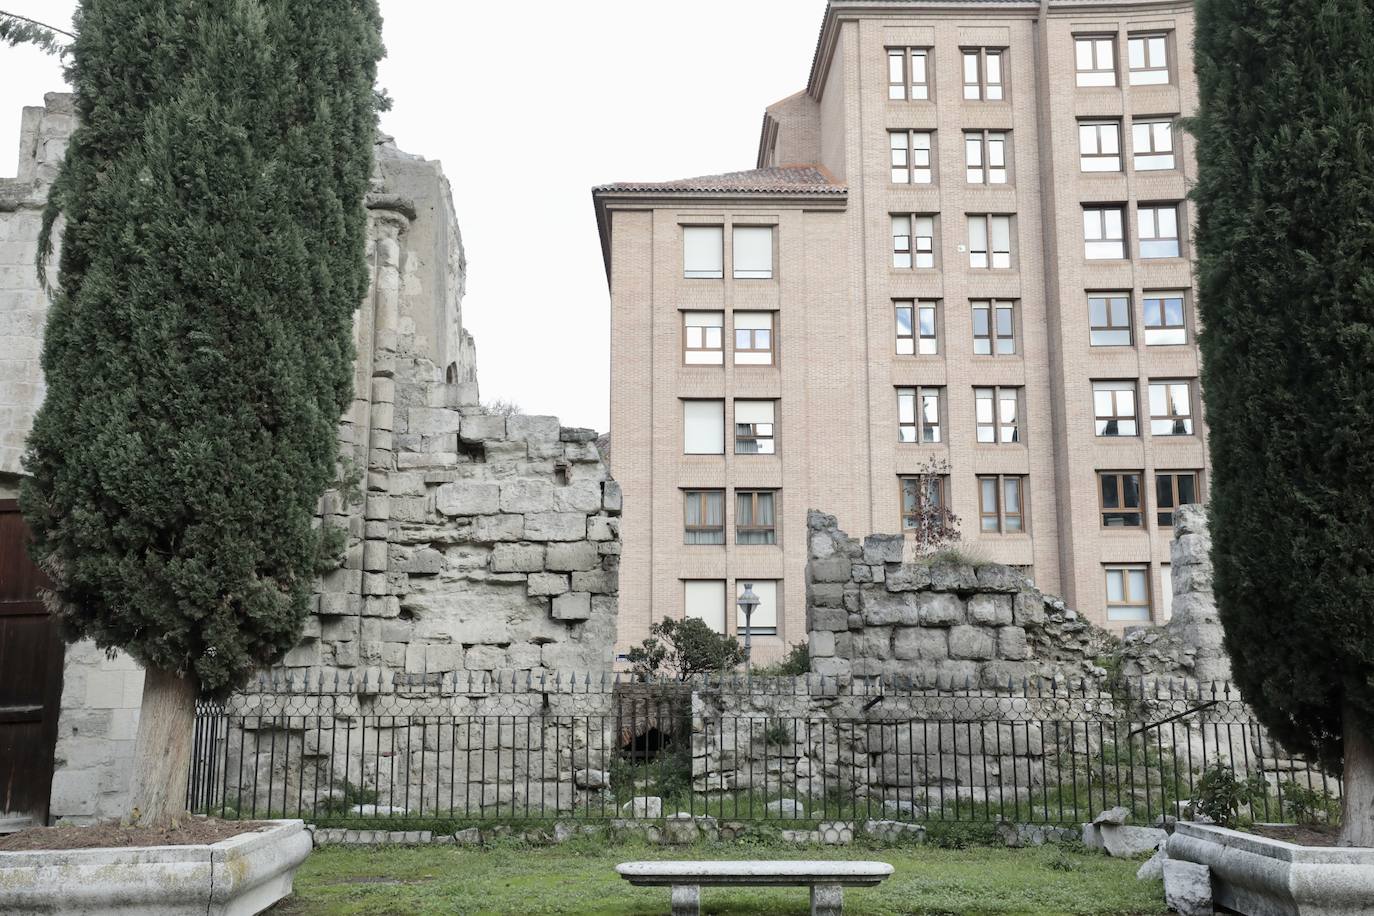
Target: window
994,327
764,620
918,415
918,250
989,241
753,338
703,516
1096,59
983,74
1104,233
1152,145
1128,593
1109,319
1171,410
703,251
1099,146
1174,489
999,504
906,73
1148,58
1114,406
703,427
1166,595
1158,230
1121,507
919,494
701,338
753,252
705,599
995,413
916,327
985,156
755,520
910,156
1164,322
754,422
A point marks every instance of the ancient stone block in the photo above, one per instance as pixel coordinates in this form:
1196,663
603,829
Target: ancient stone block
1028,610
596,581
543,584
481,428
994,577
572,606
491,528
443,657
601,528
824,618
966,642
939,610
333,604
826,594
883,548
517,558
908,578
1011,644
468,497
424,562
831,569
873,642
611,497
883,608
924,643
555,526
570,557
582,496
821,545
953,577
821,644
543,431
432,421
990,610
527,496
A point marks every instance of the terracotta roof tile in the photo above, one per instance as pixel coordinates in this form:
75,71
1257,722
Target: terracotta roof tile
788,179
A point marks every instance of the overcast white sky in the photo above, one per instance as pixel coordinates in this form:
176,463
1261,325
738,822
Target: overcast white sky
528,105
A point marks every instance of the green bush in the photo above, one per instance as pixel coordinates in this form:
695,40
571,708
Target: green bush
684,648
1221,794
795,663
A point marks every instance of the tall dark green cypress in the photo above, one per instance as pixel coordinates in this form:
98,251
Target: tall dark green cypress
199,347
1285,239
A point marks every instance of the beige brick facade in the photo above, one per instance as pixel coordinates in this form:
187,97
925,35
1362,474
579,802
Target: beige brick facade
833,290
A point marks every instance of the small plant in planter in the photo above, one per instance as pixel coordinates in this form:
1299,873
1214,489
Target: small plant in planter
1222,795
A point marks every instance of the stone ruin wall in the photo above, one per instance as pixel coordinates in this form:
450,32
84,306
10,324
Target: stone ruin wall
476,543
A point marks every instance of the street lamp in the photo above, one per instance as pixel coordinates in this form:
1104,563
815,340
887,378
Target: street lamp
747,602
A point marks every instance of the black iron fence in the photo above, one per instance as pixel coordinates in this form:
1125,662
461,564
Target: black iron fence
510,748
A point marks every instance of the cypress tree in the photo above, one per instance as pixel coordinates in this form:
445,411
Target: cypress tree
198,353
1285,238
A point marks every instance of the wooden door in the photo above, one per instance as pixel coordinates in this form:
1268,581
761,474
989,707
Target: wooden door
31,654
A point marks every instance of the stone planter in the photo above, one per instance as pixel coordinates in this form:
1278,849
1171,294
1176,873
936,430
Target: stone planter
1257,876
235,877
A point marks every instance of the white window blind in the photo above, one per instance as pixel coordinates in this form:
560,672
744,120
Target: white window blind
703,252
703,427
753,251
764,620
706,599
753,411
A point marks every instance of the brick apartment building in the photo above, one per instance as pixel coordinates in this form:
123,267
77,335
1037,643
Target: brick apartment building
966,240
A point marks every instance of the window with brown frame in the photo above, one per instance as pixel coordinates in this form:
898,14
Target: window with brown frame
1152,144
918,415
1114,408
1109,319
1164,319
1000,508
1095,57
755,422
756,517
996,415
1128,592
994,327
911,156
985,156
1158,227
753,338
1104,233
1174,489
1148,59
983,74
919,493
1171,408
1122,501
913,241
908,74
702,338
1099,146
916,327
703,516
989,241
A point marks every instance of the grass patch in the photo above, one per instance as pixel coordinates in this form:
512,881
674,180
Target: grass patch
579,877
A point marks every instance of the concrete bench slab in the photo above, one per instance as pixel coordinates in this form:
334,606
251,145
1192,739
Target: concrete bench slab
826,879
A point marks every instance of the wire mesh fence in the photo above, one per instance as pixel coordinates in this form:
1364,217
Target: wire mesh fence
513,748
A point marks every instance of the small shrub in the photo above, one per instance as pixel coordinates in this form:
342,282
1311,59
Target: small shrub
794,664
684,648
778,732
1222,794
1309,806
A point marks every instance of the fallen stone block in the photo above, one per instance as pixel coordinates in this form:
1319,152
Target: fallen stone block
1188,888
1128,842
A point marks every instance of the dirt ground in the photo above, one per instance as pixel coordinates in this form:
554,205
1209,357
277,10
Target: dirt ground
1304,836
188,832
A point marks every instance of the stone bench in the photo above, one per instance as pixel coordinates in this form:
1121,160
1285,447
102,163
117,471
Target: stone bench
827,880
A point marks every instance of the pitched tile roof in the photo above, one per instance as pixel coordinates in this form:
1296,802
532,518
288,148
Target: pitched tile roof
787,179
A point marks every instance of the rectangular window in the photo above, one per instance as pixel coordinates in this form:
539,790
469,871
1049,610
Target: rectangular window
907,73
994,327
1158,226
702,343
1164,321
1171,409
1099,146
985,156
996,415
703,427
918,415
1121,499
911,152
1128,592
754,427
1109,319
983,74
1104,233
989,241
1174,489
916,332
999,504
1152,145
755,520
703,252
1095,56
703,516
753,252
764,619
753,338
916,249
705,599
1166,595
1114,406
919,494
1148,59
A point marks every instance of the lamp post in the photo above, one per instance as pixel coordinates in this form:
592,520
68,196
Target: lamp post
747,602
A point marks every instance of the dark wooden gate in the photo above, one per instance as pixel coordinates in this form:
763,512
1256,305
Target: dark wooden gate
31,654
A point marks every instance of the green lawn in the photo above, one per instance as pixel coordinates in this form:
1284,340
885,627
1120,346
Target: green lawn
579,877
